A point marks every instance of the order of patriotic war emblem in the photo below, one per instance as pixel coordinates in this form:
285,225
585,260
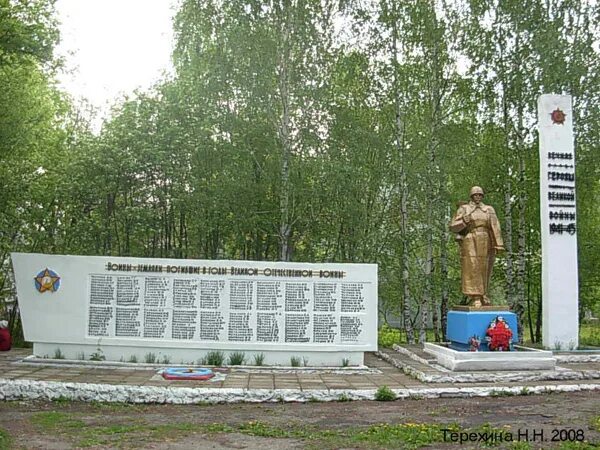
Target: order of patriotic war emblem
47,281
558,117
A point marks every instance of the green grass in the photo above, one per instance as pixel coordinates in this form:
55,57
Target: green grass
138,433
55,421
595,423
408,436
81,434
5,440
577,446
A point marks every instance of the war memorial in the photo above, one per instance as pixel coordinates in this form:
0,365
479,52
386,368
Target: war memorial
125,330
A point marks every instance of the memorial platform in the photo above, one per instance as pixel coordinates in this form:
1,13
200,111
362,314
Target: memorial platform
408,370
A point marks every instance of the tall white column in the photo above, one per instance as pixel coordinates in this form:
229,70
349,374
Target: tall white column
560,293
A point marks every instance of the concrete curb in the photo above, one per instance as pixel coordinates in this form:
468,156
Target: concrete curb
32,361
88,392
487,377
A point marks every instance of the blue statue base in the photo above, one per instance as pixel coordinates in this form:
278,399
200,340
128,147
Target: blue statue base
463,325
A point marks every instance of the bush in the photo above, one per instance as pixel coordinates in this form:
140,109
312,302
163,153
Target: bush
150,358
214,358
295,361
259,359
388,336
236,359
385,394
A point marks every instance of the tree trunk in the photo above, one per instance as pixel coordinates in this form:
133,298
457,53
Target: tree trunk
285,228
399,141
510,283
444,276
519,306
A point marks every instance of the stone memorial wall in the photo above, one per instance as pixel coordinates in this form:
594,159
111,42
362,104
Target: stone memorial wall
127,305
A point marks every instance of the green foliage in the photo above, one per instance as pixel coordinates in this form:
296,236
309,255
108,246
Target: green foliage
150,358
589,334
259,359
214,358
595,423
387,336
385,394
5,439
295,361
343,397
410,435
61,400
133,359
58,354
194,167
52,420
345,362
236,358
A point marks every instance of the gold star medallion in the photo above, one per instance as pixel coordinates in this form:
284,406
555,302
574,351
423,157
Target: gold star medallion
47,280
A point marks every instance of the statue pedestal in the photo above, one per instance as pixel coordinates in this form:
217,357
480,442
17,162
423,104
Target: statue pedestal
463,325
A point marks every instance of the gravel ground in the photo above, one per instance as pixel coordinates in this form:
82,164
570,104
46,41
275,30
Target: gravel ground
62,425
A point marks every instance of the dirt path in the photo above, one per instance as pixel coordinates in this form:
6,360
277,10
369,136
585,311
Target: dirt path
61,425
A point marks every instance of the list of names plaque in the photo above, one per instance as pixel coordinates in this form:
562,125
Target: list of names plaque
240,294
212,323
102,290
239,327
324,328
100,320
325,297
269,295
350,328
184,324
127,322
128,291
296,328
157,292
267,327
200,308
185,293
155,323
210,293
353,300
297,296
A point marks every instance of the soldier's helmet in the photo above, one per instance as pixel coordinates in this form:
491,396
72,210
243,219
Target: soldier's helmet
475,190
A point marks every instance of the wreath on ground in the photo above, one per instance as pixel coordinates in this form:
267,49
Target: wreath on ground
499,335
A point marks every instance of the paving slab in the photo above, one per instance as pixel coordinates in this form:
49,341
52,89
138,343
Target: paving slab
410,373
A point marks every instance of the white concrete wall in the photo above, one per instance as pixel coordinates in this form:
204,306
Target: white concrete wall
59,320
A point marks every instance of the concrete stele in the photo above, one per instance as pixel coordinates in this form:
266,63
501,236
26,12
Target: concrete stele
560,296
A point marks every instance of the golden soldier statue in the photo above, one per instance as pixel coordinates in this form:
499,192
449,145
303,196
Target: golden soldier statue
478,233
